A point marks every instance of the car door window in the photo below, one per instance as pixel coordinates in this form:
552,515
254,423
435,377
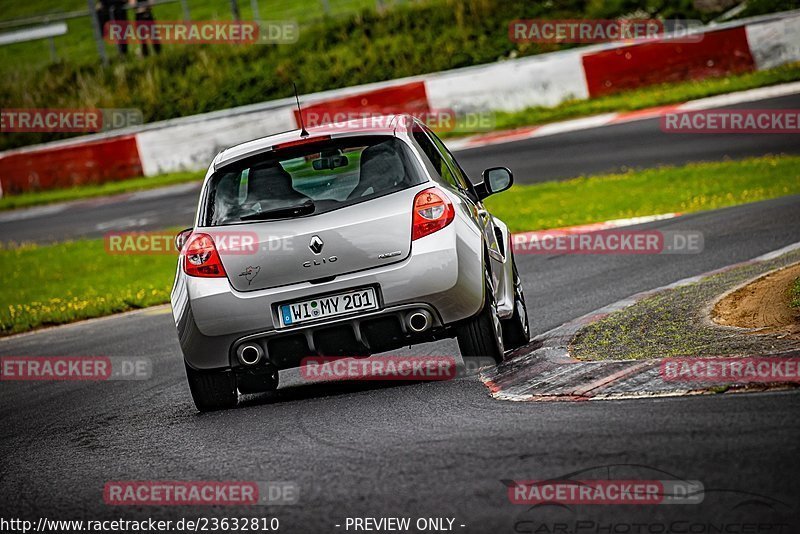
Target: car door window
436,157
460,175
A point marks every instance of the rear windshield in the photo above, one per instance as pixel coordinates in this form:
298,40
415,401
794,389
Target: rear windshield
310,179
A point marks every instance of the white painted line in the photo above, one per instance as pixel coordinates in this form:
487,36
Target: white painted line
169,190
614,223
780,252
741,97
125,223
20,214
574,125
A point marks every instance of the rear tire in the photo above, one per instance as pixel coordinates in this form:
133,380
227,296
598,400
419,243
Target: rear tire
482,336
516,331
212,390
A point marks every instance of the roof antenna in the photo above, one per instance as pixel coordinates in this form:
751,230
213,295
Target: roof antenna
303,132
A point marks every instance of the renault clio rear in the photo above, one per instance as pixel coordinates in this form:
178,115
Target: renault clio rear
346,240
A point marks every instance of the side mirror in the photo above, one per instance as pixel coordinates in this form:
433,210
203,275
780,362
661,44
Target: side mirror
182,237
495,180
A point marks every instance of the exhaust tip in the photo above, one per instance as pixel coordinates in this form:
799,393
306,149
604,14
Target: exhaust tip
418,321
249,354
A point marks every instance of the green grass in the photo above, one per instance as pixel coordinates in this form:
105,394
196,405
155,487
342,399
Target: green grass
78,45
657,95
695,187
87,191
55,284
795,294
405,39
200,9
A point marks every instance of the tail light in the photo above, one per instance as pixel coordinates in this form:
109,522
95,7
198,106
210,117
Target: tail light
200,257
432,212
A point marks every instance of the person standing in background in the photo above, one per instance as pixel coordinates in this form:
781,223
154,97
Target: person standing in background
112,10
144,13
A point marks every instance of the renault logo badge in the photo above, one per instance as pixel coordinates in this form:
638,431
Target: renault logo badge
316,244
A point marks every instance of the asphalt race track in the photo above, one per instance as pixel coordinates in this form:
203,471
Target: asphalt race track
415,449
618,147
632,145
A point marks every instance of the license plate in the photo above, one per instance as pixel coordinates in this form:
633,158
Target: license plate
330,306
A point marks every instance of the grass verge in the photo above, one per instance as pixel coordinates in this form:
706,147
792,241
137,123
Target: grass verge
88,191
795,295
65,282
694,187
674,323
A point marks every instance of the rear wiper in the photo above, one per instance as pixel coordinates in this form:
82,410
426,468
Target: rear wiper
281,213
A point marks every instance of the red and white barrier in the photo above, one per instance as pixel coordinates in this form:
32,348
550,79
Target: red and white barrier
189,143
630,67
543,80
774,43
63,164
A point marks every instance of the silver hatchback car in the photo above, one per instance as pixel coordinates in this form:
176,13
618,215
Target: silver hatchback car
345,240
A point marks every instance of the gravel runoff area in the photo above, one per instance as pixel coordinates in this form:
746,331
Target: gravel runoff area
677,323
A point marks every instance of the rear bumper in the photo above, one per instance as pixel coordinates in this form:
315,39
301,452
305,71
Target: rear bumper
367,333
443,274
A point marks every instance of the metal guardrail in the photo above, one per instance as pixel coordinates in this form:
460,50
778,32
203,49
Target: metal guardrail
42,19
60,19
326,9
233,5
68,15
34,33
